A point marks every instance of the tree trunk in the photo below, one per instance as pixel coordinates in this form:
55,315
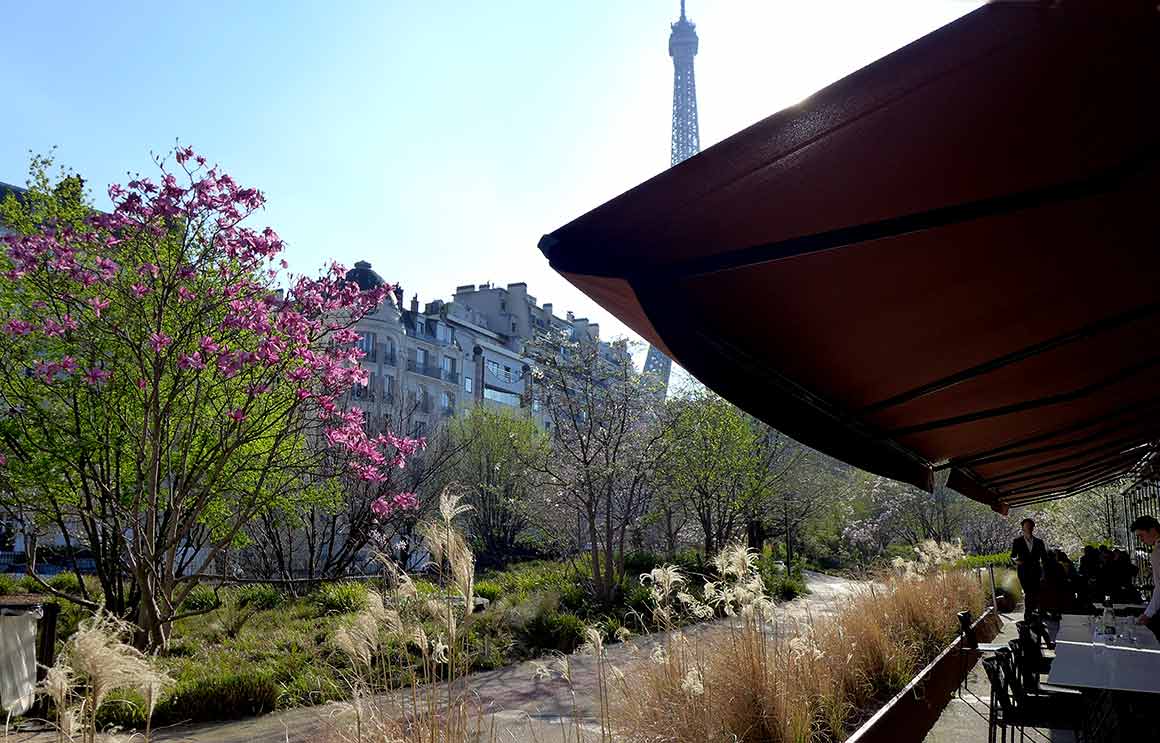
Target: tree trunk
755,535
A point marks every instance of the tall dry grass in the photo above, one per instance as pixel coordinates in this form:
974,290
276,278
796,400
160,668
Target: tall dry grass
815,680
409,655
96,661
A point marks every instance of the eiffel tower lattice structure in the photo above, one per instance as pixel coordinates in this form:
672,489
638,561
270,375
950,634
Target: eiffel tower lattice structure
686,138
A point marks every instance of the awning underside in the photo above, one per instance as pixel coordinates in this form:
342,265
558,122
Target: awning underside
947,260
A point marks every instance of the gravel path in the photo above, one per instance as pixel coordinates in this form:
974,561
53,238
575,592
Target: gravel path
525,709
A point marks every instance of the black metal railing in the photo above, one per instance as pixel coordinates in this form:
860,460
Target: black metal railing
425,369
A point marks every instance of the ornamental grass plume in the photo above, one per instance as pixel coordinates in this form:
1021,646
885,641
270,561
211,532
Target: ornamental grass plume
770,680
93,663
414,649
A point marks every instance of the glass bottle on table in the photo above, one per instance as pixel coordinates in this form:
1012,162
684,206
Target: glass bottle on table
1107,626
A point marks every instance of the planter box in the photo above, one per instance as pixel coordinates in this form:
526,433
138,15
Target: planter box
912,712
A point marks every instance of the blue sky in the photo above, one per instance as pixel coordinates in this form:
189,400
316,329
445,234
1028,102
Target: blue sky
437,139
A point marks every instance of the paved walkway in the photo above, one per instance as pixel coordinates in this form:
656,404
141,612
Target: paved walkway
524,709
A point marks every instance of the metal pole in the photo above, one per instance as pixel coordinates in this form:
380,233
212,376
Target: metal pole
994,598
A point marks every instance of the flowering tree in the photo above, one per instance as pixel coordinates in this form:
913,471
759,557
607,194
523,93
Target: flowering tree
167,381
609,434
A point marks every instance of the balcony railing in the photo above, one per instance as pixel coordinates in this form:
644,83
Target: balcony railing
423,335
423,406
447,412
425,369
370,355
450,375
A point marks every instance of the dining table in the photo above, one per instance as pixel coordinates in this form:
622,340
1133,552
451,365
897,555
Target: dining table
1119,672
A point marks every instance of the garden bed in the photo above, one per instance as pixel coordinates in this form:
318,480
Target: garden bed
912,712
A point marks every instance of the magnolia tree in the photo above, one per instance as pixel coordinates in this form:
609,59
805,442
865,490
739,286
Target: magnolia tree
166,382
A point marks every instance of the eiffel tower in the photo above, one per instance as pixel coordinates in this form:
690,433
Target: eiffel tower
686,137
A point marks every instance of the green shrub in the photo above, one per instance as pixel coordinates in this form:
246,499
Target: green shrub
220,695
340,598
9,584
518,581
639,562
425,588
66,583
554,631
785,587
259,596
201,598
998,559
574,597
488,589
637,598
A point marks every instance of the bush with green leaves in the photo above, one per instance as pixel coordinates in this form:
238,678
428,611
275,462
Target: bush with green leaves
202,598
13,584
488,589
554,631
998,560
259,596
340,598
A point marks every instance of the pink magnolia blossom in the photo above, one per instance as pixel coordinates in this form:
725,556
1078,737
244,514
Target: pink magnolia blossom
106,268
190,361
159,341
384,507
185,295
96,377
99,305
237,415
18,327
140,290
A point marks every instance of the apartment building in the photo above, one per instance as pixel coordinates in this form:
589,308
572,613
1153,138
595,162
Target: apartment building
427,364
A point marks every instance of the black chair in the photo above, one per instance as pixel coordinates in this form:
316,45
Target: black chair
1012,706
1034,646
969,641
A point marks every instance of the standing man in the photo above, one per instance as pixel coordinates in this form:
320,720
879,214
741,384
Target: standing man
1147,530
1028,552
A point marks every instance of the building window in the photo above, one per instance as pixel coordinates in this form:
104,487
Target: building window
507,374
493,368
467,384
504,398
448,364
535,406
445,400
421,357
389,386
366,343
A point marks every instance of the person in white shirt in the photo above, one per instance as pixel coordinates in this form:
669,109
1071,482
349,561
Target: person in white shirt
1147,530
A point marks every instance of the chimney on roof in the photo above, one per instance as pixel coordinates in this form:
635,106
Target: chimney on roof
415,303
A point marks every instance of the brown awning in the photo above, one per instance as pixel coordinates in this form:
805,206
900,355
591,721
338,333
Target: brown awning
949,258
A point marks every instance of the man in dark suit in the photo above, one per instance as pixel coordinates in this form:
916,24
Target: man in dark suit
1028,552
